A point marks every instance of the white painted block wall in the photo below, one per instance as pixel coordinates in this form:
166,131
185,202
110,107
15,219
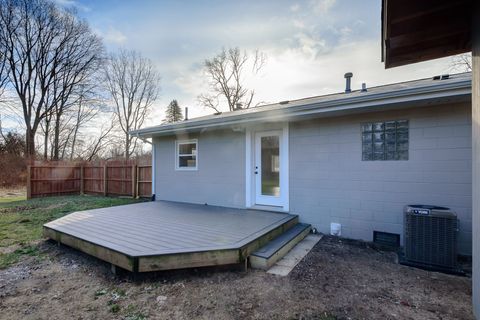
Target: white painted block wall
329,182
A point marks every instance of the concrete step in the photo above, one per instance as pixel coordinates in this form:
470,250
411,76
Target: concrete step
274,250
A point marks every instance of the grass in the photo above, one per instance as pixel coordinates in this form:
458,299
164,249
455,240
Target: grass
12,199
21,220
132,313
13,257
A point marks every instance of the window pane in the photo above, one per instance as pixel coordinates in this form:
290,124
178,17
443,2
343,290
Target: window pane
187,161
378,156
402,146
390,125
367,147
402,137
367,127
270,157
367,156
390,156
378,147
378,126
367,138
390,138
391,147
378,137
402,124
187,148
402,155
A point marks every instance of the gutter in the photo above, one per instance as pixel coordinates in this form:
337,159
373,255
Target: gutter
442,90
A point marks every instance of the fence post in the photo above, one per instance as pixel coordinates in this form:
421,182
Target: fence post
81,180
134,181
105,176
138,182
29,182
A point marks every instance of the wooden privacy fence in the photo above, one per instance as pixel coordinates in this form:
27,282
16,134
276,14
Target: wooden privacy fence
119,178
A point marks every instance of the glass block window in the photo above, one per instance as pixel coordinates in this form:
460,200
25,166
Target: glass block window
385,140
186,155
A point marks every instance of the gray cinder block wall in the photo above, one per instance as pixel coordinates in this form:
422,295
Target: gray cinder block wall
329,182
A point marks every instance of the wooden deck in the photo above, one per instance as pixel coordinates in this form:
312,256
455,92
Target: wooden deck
164,235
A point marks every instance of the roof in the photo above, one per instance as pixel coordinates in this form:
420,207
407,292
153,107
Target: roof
414,31
410,93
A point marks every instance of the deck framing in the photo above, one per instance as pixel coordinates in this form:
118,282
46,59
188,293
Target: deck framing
103,253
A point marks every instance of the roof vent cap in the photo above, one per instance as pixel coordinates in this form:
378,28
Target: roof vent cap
364,87
284,102
348,77
442,77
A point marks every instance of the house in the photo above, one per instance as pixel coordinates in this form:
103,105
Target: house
415,31
355,158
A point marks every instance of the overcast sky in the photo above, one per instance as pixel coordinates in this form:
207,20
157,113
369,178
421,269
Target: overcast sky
309,44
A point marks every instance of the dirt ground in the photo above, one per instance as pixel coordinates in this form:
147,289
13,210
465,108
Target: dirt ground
337,280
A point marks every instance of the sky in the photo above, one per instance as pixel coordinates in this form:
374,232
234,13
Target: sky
309,44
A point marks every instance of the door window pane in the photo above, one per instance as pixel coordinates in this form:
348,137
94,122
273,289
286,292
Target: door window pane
270,173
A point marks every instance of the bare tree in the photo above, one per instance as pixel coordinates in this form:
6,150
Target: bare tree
47,50
88,107
1,129
98,146
462,62
46,127
133,84
3,73
80,57
226,75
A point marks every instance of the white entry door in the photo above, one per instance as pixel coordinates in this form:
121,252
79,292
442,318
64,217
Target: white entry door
269,168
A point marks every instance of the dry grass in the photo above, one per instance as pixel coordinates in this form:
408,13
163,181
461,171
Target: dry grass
21,220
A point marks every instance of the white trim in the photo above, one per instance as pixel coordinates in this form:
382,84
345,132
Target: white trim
248,167
286,169
154,166
250,182
177,155
260,199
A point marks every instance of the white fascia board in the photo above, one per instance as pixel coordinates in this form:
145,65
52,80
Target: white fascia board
445,90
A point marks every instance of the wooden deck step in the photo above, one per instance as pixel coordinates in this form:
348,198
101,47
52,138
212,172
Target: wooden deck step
274,250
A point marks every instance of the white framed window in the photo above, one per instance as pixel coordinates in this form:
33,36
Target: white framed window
186,154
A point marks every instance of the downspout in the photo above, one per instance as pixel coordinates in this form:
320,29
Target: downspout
153,171
476,157
153,163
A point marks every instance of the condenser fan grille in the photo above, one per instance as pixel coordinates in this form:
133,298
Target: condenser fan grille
431,239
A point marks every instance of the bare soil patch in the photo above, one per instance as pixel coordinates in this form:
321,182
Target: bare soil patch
336,280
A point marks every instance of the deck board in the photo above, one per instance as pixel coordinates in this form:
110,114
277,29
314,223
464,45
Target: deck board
164,228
